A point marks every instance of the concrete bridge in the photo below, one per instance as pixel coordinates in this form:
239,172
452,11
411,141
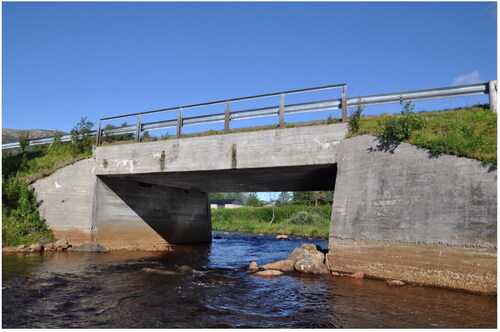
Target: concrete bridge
397,212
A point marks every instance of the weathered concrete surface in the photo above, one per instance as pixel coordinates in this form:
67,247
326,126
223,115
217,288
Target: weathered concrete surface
133,215
66,200
301,146
401,198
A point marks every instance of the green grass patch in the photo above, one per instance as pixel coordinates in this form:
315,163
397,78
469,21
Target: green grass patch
466,132
291,219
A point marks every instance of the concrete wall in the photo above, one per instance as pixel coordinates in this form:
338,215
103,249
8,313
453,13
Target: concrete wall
269,148
67,198
133,215
399,212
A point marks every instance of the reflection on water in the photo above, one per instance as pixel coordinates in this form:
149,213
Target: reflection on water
69,290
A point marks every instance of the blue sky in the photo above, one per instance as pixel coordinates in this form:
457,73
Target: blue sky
62,61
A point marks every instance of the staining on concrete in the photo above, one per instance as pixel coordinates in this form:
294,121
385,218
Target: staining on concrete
105,163
234,158
162,160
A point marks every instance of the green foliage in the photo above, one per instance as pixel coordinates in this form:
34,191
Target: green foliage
253,200
24,142
80,137
467,132
284,198
354,119
401,128
312,198
57,139
256,220
110,138
305,218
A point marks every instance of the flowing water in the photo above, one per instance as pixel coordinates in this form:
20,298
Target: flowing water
72,290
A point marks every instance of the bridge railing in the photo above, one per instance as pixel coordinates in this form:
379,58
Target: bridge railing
281,110
227,116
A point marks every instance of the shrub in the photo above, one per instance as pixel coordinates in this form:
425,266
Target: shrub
400,128
354,119
24,142
305,218
82,143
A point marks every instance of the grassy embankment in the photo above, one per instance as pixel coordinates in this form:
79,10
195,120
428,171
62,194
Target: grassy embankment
291,219
21,222
466,132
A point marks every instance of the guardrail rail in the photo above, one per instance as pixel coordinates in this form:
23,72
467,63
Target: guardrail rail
280,110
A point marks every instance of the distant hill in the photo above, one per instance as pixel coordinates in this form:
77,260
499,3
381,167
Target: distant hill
12,135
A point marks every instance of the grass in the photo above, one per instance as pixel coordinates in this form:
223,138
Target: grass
466,132
297,220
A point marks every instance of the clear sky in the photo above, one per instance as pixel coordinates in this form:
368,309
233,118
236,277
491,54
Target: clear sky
62,61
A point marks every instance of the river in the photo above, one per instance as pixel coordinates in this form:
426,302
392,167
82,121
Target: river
95,290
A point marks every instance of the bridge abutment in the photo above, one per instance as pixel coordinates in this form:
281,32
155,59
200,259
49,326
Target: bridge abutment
134,215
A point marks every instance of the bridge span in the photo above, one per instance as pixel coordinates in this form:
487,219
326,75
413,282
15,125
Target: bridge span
398,211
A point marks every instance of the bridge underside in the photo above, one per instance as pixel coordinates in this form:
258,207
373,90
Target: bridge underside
289,178
153,210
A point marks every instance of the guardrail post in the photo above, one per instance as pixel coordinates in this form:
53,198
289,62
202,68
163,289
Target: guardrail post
179,123
98,134
344,103
226,118
138,129
282,111
493,91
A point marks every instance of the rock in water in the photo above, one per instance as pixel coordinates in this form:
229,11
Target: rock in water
63,242
88,246
310,266
185,268
307,251
396,283
36,247
358,275
268,273
148,269
253,267
335,274
286,265
282,237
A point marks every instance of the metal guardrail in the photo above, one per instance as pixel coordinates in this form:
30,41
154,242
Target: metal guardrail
281,110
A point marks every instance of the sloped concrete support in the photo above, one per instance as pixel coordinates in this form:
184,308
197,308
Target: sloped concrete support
66,200
400,212
142,216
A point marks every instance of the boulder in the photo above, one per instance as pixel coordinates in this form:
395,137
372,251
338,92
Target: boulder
282,237
396,283
21,246
358,275
268,273
307,251
310,266
61,242
36,247
286,265
88,246
253,267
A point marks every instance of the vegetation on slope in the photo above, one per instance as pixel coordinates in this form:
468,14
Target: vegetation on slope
466,132
21,223
289,219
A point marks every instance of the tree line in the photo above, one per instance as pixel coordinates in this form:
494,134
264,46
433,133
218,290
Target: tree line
308,198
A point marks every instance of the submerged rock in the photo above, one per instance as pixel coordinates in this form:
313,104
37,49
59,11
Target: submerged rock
358,275
88,246
286,265
396,283
253,267
150,270
185,268
268,273
217,237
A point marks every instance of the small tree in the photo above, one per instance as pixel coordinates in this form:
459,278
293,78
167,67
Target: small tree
80,136
284,198
401,128
24,141
354,119
253,200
